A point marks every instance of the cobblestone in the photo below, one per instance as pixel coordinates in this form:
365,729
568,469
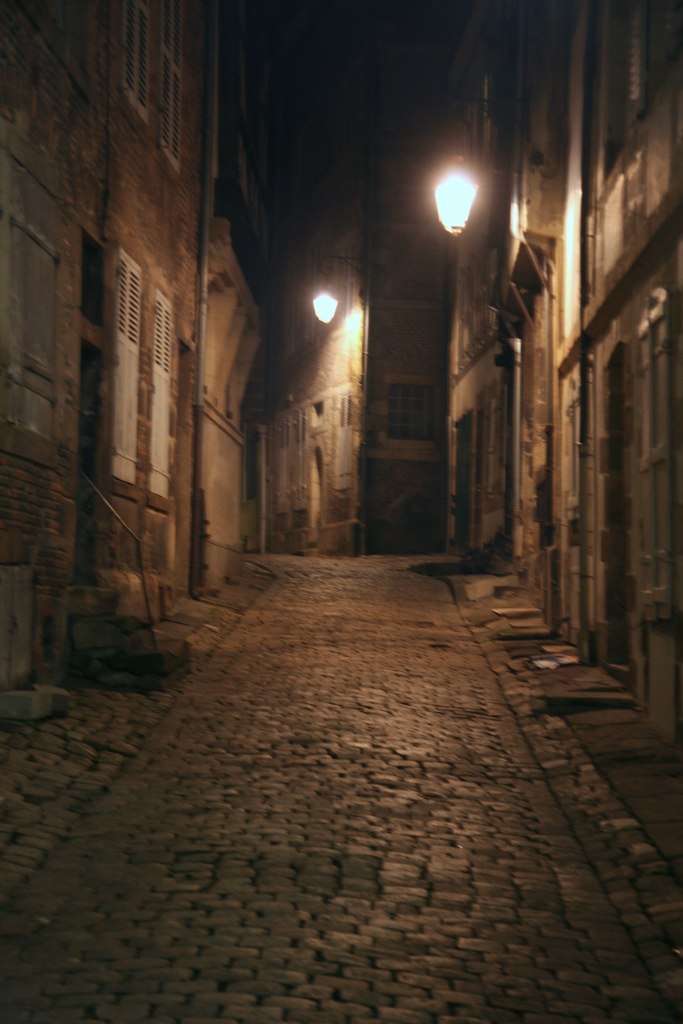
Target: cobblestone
343,813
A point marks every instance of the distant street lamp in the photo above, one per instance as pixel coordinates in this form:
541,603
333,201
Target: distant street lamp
454,197
325,306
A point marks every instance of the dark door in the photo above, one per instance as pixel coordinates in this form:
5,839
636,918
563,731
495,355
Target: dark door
88,437
463,476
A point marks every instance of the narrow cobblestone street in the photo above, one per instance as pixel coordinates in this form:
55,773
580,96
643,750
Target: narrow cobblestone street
344,814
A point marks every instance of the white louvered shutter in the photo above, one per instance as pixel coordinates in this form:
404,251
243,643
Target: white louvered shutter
344,442
127,357
171,78
135,54
299,463
161,399
655,461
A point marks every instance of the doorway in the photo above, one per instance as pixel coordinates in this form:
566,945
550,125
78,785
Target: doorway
463,471
616,527
316,499
88,445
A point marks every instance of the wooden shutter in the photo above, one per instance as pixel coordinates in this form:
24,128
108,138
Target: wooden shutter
16,625
281,466
171,78
161,399
637,58
135,60
301,425
674,28
655,462
344,442
126,360
33,263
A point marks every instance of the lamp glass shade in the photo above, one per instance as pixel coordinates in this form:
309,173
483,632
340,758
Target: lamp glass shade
325,306
454,197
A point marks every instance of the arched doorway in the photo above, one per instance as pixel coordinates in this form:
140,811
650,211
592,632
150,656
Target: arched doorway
616,505
316,500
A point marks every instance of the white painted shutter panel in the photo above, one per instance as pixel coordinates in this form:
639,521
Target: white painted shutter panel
344,442
127,354
170,78
16,625
161,399
655,461
301,464
281,465
135,62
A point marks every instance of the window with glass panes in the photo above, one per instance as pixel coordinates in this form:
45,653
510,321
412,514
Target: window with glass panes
411,412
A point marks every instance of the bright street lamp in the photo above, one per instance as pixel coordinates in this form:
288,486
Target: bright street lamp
454,197
325,306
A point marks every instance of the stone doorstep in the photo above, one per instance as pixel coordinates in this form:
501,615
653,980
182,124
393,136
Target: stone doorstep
32,705
87,601
474,588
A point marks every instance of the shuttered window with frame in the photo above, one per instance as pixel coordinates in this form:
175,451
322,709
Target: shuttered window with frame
301,430
33,268
281,464
126,361
161,398
638,57
655,456
135,54
344,448
171,64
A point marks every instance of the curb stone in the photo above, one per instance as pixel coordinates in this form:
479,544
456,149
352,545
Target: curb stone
649,893
51,769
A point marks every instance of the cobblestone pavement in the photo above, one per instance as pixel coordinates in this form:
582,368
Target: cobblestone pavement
347,812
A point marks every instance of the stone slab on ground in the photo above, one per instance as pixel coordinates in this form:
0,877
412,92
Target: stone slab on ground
25,705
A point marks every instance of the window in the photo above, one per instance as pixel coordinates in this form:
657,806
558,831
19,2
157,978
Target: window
301,462
344,442
92,278
135,62
171,61
411,414
127,352
492,447
33,262
638,57
655,456
574,441
281,460
161,399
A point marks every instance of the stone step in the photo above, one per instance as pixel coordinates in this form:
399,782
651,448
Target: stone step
88,601
146,663
103,631
474,588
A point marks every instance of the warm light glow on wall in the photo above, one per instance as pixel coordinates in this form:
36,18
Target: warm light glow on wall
325,306
454,197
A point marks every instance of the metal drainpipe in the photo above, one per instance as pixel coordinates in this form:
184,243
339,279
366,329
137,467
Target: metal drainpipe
263,483
369,171
206,212
516,344
584,392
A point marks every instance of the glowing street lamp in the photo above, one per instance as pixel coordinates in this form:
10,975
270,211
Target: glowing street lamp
325,306
454,197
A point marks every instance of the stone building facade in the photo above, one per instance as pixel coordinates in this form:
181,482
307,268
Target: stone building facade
565,387
620,369
358,443
508,97
100,141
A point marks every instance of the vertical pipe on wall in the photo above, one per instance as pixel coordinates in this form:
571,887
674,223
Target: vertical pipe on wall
367,217
516,344
584,370
263,484
206,212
